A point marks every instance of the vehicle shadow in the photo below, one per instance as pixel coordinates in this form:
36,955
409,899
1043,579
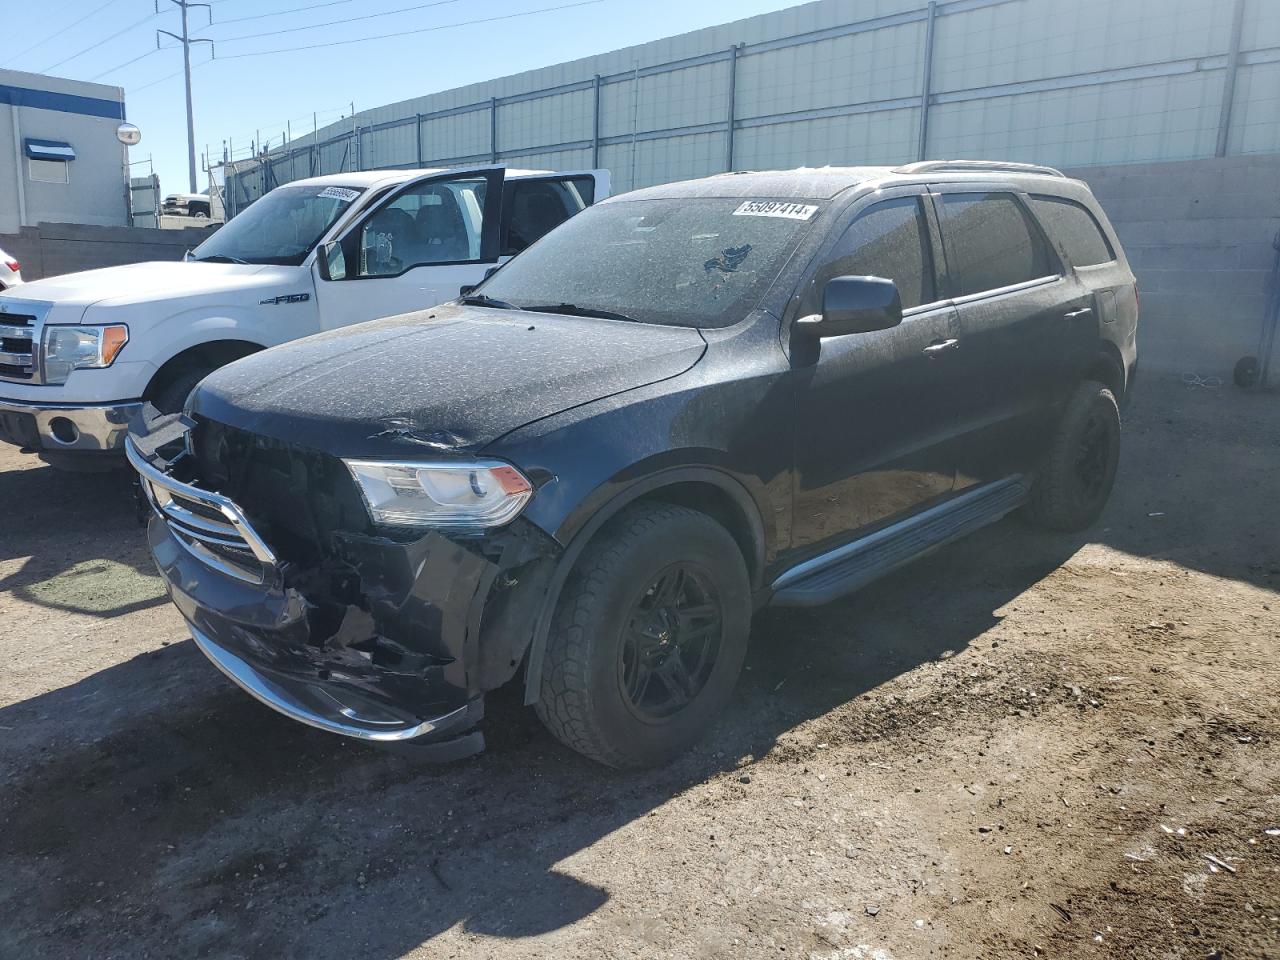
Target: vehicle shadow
1197,484
77,535
196,822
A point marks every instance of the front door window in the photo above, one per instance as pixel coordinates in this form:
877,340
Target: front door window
437,222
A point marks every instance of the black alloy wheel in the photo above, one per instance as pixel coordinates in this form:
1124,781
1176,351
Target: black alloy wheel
1093,457
670,642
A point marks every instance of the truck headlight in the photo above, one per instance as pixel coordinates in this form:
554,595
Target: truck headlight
480,493
80,348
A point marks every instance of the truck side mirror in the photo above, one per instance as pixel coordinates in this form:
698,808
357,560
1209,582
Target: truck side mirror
332,261
467,289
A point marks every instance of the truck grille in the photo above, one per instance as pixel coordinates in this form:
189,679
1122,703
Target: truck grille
208,525
17,346
299,498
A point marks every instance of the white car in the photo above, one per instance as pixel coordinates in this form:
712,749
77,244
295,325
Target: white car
10,271
81,353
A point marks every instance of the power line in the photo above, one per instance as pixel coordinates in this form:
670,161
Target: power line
407,33
281,13
195,66
58,33
132,90
334,23
95,46
121,66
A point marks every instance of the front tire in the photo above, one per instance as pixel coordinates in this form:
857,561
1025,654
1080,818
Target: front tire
648,639
171,396
1079,471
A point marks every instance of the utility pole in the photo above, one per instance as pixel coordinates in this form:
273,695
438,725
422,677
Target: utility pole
187,40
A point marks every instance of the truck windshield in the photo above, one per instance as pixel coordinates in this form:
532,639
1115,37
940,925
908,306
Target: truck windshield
282,227
682,262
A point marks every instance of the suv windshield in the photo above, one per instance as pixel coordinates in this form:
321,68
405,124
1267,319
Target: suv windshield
682,262
282,227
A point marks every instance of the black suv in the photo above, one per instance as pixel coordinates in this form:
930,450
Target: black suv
684,404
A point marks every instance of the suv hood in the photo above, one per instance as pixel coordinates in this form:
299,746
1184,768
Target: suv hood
148,282
450,380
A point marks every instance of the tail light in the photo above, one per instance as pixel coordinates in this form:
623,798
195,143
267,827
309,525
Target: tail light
13,265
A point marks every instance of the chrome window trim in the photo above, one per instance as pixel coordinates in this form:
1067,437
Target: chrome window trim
1005,291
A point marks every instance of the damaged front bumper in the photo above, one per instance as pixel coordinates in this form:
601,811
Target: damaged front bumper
314,704
384,641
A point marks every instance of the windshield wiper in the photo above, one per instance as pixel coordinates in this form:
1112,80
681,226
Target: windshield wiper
480,300
219,258
573,310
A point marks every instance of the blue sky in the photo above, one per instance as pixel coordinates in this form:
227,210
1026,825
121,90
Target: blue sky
113,41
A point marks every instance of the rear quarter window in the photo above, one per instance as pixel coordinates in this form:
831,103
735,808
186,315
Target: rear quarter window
1074,229
533,208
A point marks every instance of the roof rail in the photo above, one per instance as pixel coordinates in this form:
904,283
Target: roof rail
966,166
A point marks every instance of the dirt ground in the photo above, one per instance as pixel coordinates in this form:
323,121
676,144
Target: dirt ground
1024,746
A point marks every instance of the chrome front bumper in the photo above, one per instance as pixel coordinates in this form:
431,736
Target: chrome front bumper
315,704
59,426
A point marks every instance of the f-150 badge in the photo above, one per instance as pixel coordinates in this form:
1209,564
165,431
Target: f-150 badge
288,298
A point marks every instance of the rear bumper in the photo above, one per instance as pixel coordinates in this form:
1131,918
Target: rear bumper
95,428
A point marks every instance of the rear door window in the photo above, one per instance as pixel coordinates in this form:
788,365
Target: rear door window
1074,227
890,240
533,208
991,242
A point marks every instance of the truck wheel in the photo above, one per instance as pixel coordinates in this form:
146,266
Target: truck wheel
1080,468
172,395
648,639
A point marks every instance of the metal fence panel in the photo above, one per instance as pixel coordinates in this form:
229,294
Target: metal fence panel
1256,111
851,81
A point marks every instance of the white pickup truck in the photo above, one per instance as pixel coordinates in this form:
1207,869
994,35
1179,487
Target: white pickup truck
80,354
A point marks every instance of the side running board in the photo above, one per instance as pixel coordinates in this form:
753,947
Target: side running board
854,565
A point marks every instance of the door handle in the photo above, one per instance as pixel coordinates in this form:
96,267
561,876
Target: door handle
940,346
1082,312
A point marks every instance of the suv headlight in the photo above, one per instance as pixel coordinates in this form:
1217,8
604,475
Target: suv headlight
479,493
80,348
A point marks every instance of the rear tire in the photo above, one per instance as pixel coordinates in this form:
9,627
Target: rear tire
648,639
1246,372
1079,471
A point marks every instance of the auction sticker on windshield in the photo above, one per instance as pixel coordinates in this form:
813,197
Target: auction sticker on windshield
345,194
776,208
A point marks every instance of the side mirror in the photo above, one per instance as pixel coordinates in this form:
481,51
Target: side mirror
467,289
332,262
855,305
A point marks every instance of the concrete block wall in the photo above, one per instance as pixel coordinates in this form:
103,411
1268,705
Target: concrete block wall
52,249
1199,235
